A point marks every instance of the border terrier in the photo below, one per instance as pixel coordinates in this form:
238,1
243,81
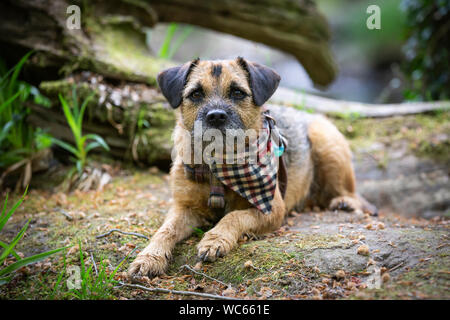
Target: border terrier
230,94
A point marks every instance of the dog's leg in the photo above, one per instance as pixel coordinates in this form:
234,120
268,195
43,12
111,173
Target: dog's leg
218,241
334,170
153,260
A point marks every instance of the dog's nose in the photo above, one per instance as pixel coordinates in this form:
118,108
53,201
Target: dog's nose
216,117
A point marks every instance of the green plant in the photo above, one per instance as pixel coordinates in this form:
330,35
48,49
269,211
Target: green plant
7,272
20,143
427,49
96,286
199,232
169,48
83,143
141,123
56,287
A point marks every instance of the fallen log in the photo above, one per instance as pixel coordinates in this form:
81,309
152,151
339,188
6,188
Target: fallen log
296,27
340,108
137,123
112,42
134,119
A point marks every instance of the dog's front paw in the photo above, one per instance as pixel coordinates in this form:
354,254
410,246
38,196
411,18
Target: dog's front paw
345,204
213,246
146,264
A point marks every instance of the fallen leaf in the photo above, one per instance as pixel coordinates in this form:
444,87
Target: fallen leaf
363,250
249,264
340,274
385,277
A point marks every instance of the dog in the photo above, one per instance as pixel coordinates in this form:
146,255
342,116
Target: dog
230,94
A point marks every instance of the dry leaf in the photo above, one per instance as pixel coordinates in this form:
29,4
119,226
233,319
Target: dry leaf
363,250
340,274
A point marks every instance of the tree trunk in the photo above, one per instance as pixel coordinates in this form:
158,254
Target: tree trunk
111,40
296,27
134,118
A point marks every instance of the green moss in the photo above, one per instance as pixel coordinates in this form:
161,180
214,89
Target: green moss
266,257
317,241
426,134
64,87
122,48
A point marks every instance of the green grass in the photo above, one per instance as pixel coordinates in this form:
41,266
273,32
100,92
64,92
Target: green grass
7,271
170,45
20,142
94,283
98,285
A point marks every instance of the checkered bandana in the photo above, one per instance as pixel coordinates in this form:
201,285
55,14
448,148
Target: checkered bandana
255,181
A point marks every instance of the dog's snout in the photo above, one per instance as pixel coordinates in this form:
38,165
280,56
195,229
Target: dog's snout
216,117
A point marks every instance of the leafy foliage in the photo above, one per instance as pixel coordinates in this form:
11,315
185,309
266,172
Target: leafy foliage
427,49
7,272
19,141
83,143
171,46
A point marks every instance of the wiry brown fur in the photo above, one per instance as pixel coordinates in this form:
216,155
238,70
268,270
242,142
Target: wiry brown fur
321,174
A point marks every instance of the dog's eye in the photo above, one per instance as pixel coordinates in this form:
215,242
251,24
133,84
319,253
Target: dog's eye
196,95
237,94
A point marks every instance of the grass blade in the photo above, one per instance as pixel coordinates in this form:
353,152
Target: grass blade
10,100
5,280
13,243
65,146
92,145
179,41
5,218
17,69
4,207
14,253
26,261
82,109
70,118
98,139
164,50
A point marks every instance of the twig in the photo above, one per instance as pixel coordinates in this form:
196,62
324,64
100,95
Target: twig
64,213
186,293
203,274
397,266
123,232
95,265
128,255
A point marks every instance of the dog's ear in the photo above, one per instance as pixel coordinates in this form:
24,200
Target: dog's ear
263,80
172,82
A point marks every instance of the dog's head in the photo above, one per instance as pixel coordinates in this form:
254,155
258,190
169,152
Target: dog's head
221,94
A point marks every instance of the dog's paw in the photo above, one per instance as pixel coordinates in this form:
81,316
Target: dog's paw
213,246
150,265
345,204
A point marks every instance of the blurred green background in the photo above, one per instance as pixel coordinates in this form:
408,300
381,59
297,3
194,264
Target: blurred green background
378,66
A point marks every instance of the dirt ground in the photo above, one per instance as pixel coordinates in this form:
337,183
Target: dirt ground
314,255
